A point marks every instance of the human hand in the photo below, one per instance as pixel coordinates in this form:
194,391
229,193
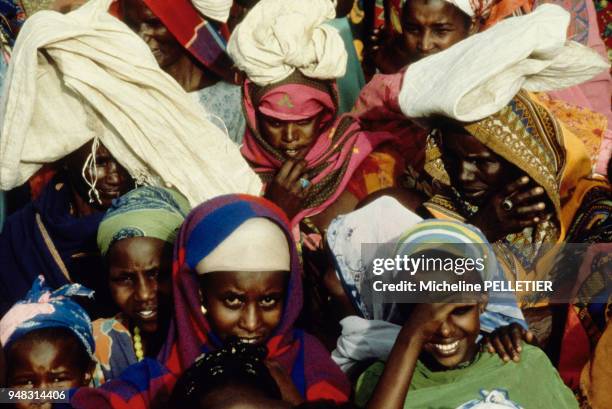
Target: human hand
517,206
506,341
425,320
288,189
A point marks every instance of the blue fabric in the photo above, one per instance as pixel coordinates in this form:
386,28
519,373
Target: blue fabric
297,373
12,19
24,253
65,313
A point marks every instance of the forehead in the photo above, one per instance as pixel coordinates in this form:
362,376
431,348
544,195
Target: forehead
45,353
461,141
136,248
432,12
246,281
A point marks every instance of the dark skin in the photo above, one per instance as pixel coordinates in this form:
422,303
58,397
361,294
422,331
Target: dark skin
171,56
46,364
249,306
112,179
139,279
240,397
485,179
428,27
442,335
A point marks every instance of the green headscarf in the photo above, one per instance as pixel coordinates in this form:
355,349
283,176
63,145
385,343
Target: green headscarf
144,212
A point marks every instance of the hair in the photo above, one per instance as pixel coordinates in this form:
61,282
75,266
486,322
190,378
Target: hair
467,20
236,364
79,352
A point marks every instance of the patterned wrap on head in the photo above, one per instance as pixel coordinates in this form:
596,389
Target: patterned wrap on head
46,308
144,212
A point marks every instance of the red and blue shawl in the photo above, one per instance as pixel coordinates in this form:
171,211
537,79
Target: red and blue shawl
149,383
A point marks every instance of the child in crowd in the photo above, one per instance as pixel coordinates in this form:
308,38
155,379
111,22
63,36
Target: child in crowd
48,341
436,358
136,237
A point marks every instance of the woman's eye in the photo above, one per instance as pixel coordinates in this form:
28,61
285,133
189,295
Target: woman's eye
153,274
232,302
462,310
123,280
269,301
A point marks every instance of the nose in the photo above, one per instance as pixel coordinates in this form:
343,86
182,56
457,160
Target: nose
250,320
445,329
467,171
145,31
146,289
426,43
290,133
113,173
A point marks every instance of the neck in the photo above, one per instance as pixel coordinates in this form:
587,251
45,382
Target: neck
189,75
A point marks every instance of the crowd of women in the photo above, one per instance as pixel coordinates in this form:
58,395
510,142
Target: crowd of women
189,186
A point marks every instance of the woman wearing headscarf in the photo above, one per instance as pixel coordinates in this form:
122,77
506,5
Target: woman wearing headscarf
236,274
188,39
136,237
302,152
437,358
103,146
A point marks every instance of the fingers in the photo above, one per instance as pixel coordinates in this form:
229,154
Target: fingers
516,185
508,341
284,171
500,348
530,196
296,171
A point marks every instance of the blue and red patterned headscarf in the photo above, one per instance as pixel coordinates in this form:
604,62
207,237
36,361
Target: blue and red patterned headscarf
190,334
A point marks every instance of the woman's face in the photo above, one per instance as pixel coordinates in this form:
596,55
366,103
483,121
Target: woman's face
292,138
140,281
455,341
431,26
113,180
149,27
244,305
475,170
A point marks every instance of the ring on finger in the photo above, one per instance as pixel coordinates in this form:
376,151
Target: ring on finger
507,204
304,183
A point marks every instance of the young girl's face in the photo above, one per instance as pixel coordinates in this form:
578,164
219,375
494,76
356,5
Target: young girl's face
45,363
455,341
245,305
139,281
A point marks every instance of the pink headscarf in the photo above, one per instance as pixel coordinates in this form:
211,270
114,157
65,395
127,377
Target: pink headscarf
334,156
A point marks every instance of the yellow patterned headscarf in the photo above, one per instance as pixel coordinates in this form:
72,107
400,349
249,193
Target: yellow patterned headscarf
526,134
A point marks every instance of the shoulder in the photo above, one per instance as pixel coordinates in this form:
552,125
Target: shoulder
364,388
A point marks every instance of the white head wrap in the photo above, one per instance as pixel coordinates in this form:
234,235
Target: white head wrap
258,244
279,36
62,64
478,76
217,10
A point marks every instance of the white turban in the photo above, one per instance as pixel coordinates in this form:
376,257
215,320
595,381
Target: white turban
279,36
65,65
479,76
217,10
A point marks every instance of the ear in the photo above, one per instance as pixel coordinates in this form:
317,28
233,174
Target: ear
88,375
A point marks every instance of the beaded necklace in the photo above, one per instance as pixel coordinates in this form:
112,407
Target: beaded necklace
138,344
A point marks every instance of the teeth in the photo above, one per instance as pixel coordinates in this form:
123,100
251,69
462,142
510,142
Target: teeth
248,340
146,313
446,348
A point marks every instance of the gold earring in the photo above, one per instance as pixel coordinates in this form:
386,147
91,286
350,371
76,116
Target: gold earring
204,310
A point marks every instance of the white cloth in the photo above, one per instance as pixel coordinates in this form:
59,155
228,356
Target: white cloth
217,10
279,36
363,339
478,76
258,244
473,8
64,64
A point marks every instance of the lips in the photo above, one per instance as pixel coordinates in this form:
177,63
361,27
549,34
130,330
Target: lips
250,340
445,349
147,314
